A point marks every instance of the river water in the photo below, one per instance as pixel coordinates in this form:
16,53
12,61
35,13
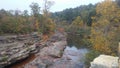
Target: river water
73,56
76,55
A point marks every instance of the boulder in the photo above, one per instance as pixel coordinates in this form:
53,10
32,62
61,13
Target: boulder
55,50
105,61
58,36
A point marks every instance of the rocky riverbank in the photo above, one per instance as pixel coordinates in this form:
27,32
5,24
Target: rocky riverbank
15,48
51,53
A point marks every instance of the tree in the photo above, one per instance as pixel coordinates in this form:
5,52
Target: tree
47,23
14,21
104,27
68,15
47,6
35,9
77,24
35,12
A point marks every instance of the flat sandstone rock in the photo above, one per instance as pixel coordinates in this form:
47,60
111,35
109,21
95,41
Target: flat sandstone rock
105,61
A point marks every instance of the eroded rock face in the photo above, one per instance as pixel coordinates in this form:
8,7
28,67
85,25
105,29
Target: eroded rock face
15,52
14,48
105,61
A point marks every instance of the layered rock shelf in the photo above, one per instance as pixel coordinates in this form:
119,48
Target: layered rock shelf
15,48
51,53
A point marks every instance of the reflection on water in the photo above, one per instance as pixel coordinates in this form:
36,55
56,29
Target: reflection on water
74,54
72,58
75,40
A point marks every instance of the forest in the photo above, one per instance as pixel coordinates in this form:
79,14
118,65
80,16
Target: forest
98,25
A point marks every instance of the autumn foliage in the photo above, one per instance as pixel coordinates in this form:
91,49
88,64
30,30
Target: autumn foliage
104,27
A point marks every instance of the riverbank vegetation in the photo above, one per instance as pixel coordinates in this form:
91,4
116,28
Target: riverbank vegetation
97,26
20,22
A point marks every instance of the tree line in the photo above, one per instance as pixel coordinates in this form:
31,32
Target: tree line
19,22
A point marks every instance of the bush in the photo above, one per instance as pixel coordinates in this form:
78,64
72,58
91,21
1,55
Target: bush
86,43
90,57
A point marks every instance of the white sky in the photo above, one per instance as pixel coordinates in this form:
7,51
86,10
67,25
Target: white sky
58,6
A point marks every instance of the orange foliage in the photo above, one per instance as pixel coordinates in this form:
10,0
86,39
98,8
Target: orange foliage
45,38
61,29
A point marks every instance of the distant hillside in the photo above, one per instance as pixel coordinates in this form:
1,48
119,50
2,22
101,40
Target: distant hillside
84,11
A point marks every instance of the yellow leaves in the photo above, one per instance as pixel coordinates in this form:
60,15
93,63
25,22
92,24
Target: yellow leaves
81,24
50,24
105,30
100,41
116,20
78,22
61,29
107,7
105,26
104,22
101,44
37,24
92,18
44,38
93,31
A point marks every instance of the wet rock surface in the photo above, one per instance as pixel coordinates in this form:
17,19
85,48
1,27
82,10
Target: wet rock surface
14,48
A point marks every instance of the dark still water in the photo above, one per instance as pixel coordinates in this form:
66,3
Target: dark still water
73,56
75,40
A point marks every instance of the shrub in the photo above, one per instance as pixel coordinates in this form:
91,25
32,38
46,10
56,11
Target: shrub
90,56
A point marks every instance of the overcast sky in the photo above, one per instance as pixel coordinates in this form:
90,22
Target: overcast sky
58,6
